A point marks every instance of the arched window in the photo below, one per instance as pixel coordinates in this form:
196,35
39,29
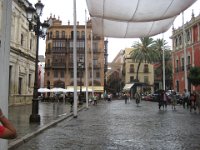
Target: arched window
83,35
57,34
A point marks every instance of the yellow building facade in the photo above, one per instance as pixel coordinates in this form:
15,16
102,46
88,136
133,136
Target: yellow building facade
145,74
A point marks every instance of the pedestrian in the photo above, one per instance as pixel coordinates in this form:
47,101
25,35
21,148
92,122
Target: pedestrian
137,98
165,99
186,97
7,130
95,99
192,101
125,98
109,97
174,101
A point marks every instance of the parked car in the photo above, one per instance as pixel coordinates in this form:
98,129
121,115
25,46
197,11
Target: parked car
155,97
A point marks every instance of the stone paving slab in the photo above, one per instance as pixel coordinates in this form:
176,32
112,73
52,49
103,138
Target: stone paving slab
50,113
119,126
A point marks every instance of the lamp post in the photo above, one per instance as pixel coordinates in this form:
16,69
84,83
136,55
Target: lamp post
33,17
80,66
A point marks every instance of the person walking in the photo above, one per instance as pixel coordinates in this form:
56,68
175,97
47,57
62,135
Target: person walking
7,130
95,99
165,98
192,101
125,98
174,101
186,97
137,98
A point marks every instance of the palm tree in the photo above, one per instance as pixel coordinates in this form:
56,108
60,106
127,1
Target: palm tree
161,45
143,51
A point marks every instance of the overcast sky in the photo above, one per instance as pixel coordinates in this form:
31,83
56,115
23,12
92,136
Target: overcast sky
64,9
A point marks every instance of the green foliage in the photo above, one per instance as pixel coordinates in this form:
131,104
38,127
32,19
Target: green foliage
194,76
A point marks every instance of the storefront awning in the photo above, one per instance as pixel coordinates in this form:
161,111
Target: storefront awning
128,86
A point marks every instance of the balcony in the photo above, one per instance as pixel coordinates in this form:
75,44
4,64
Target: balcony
131,71
59,50
60,65
95,66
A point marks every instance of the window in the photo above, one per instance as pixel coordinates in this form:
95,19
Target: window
10,76
97,74
57,34
50,35
180,40
146,79
132,68
72,74
95,46
188,35
83,34
176,65
30,44
78,34
146,68
62,74
55,74
189,64
20,86
182,64
63,34
49,46
48,73
29,80
131,78
22,39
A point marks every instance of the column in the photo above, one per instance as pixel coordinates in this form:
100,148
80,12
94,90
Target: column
4,59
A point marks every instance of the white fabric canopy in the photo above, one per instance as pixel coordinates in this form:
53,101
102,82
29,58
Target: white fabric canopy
134,18
109,28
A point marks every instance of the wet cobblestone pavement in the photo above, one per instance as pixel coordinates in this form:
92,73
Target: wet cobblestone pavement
19,116
120,126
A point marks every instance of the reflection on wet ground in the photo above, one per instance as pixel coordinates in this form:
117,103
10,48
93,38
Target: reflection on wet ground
19,115
119,126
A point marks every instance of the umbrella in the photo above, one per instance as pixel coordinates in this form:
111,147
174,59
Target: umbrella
43,90
57,90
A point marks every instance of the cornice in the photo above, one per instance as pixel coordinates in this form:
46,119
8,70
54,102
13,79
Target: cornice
22,54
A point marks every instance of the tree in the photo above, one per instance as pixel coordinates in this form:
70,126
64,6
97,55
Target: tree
161,45
143,51
194,76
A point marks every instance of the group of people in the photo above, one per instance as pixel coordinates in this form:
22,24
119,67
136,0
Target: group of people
189,100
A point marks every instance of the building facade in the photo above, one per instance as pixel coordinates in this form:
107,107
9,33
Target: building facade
145,74
22,57
114,77
192,45
59,56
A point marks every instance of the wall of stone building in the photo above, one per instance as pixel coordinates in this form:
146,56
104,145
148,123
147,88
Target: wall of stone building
20,67
22,58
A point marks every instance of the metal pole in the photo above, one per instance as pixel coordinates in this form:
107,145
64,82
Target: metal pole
92,64
75,62
86,61
5,25
163,64
185,54
35,117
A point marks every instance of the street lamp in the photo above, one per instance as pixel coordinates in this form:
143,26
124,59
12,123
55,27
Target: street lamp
80,66
40,29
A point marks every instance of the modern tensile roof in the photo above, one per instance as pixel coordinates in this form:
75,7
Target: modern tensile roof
134,18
